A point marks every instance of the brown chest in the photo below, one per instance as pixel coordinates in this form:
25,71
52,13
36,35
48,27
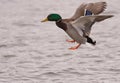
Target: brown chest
61,25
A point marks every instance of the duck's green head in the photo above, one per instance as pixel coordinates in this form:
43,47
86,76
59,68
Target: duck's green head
52,17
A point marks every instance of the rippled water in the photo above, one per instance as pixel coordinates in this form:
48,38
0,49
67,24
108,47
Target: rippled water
35,52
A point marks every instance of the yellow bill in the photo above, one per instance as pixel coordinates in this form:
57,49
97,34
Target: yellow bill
45,20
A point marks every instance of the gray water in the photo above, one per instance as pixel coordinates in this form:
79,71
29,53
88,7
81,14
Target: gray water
35,52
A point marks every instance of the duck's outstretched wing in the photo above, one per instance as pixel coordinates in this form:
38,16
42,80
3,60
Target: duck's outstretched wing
85,23
95,8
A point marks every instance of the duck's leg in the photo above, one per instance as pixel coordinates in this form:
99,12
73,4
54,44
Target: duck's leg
72,41
76,47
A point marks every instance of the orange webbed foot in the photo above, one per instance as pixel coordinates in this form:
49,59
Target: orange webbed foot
74,48
72,41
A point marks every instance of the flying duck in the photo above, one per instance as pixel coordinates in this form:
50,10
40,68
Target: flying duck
78,27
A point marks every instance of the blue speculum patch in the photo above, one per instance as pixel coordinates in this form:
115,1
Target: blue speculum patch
87,12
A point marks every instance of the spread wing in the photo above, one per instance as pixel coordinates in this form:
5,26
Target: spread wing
85,23
95,8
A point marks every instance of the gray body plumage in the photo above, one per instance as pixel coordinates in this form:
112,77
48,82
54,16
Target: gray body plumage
81,27
75,34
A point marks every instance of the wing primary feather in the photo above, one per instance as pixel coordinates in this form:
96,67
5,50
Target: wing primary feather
94,8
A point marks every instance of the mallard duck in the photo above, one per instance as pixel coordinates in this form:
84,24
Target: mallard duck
78,27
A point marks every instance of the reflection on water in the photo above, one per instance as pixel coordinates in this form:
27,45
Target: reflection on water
31,53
